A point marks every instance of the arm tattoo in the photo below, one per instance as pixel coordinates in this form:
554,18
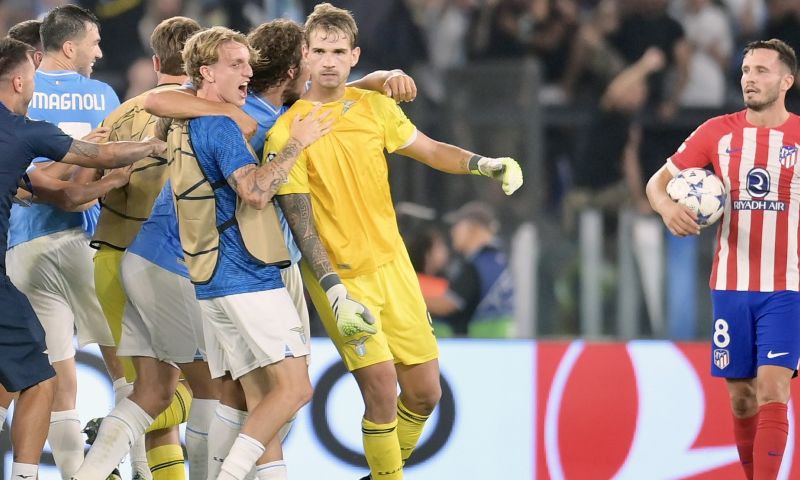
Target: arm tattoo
263,182
235,178
162,127
297,209
84,149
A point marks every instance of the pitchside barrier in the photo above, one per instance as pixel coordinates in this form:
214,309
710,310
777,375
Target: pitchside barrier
521,410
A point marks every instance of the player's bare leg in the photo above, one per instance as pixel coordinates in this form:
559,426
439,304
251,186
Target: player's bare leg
29,430
420,391
274,394
113,365
378,385
152,393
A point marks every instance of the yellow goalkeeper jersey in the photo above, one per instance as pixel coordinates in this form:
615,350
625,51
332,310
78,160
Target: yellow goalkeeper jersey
346,174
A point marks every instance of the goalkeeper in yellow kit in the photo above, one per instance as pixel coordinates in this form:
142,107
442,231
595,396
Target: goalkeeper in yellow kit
337,201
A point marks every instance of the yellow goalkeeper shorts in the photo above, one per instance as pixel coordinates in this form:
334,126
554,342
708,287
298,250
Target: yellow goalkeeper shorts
392,295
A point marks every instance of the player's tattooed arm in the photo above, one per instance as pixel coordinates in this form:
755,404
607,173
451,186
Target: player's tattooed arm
257,185
300,216
84,149
111,154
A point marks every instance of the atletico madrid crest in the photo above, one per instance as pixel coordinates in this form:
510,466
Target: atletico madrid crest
788,155
721,358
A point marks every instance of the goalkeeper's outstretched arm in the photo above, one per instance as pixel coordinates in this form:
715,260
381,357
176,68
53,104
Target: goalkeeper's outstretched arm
452,159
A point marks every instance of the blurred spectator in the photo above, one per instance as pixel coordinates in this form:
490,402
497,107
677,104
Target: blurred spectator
646,24
784,23
592,53
121,44
749,18
598,174
480,295
709,35
429,254
445,24
515,28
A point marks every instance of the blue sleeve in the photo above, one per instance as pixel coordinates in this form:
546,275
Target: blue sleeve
112,101
46,140
229,146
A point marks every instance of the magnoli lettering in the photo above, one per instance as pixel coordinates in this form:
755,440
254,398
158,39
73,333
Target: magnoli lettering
68,101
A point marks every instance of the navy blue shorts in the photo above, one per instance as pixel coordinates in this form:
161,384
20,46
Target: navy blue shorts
753,329
23,361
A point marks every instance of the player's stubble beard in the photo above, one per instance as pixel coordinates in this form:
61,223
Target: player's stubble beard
771,96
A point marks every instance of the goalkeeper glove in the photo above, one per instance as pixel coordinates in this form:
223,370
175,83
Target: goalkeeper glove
351,317
504,169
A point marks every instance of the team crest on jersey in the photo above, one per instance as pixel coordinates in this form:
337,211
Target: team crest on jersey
788,155
347,104
721,358
358,344
302,332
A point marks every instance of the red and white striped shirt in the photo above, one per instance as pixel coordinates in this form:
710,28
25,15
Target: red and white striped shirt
757,239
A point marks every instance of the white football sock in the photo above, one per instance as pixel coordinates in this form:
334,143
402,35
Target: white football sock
119,430
284,431
272,471
24,471
122,389
66,441
3,415
222,432
201,414
240,460
139,459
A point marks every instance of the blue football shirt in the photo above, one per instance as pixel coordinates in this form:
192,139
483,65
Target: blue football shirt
221,150
158,240
76,105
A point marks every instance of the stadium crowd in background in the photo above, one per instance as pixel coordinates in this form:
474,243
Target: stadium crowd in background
618,86
622,83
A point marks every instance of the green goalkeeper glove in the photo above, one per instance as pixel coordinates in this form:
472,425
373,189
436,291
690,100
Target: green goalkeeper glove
351,317
504,169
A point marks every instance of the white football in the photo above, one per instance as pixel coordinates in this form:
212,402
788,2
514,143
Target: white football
701,191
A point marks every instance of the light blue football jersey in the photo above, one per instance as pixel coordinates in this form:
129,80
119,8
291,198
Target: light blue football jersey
265,115
158,240
75,104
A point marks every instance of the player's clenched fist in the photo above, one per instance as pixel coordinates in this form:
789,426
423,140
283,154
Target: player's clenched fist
351,317
504,169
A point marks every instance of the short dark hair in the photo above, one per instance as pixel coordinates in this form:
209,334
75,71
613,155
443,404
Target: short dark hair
786,53
12,53
28,32
280,47
167,42
65,23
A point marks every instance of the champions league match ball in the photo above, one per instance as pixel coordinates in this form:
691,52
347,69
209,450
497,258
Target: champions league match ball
701,191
